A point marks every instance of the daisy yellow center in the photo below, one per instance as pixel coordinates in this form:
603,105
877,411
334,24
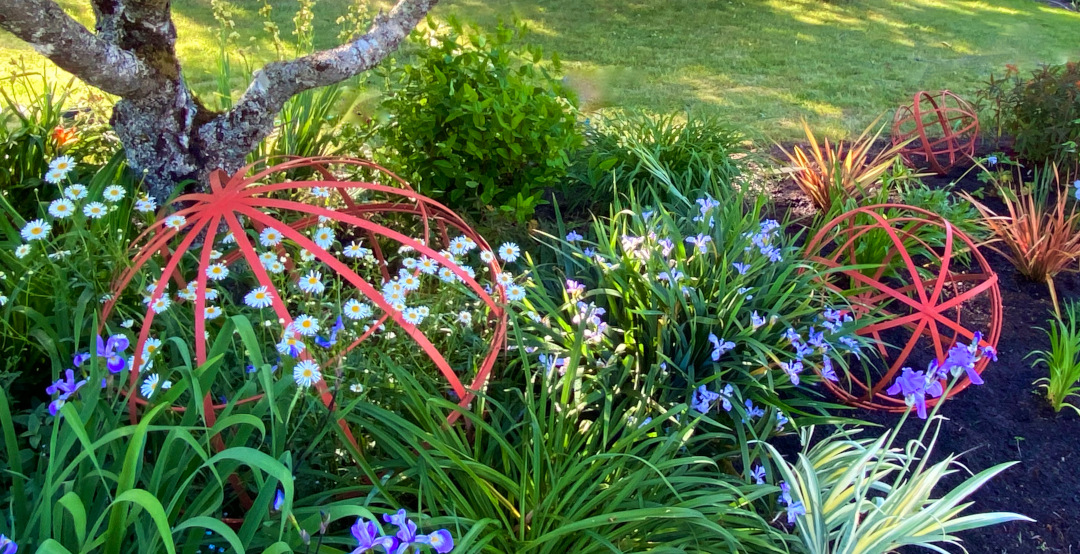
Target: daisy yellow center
61,208
306,324
259,296
62,166
307,373
151,348
36,230
355,308
96,209
312,280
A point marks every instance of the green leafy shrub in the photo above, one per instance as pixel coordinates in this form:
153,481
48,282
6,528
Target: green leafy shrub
621,147
944,202
1042,112
475,121
1063,359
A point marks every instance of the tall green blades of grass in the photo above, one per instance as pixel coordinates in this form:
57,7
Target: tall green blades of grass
540,476
1063,359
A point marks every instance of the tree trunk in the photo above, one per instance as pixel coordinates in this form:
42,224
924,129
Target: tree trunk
168,135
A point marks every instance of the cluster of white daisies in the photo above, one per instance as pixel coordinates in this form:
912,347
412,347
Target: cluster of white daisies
68,204
306,327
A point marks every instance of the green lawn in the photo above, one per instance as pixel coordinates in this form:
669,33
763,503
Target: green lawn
761,64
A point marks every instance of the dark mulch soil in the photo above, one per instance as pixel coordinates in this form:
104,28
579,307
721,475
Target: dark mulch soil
1008,419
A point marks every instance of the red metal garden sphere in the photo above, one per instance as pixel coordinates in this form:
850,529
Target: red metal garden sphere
941,127
922,285
244,202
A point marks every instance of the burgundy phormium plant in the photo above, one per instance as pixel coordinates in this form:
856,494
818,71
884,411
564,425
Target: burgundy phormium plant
238,208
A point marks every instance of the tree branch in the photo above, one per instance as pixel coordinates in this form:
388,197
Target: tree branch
54,34
252,118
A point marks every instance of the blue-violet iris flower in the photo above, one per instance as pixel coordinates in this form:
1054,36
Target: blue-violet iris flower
112,351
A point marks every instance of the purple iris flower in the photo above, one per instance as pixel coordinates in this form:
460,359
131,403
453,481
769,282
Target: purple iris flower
795,510
961,358
66,388
573,236
666,246
742,268
719,346
792,335
851,343
368,537
752,411
793,369
7,546
329,343
112,351
827,370
785,493
442,541
703,398
758,473
781,421
79,359
802,350
279,500
725,397
817,340
914,386
700,241
574,288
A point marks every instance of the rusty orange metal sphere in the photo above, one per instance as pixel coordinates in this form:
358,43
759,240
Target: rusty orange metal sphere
910,302
941,127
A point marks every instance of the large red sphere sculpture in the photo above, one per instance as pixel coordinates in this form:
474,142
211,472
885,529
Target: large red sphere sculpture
912,288
237,207
939,128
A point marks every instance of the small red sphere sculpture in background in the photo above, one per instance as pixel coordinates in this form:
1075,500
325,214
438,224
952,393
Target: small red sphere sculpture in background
939,128
909,296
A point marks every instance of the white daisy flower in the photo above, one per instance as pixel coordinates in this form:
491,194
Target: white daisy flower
215,254
354,250
312,283
276,267
409,281
175,222
447,275
229,238
461,245
397,307
505,279
54,176
149,385
145,205
306,373
95,210
394,296
290,345
161,304
464,318
469,271
114,193
487,256
427,265
267,258
61,208
324,237
515,293
75,192
305,325
409,263
509,252
127,323
62,163
35,230
151,346
22,250
356,388
320,192
217,272
270,237
412,316
356,310
305,255
258,298
211,312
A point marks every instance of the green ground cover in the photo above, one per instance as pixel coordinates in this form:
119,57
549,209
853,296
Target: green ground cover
759,64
